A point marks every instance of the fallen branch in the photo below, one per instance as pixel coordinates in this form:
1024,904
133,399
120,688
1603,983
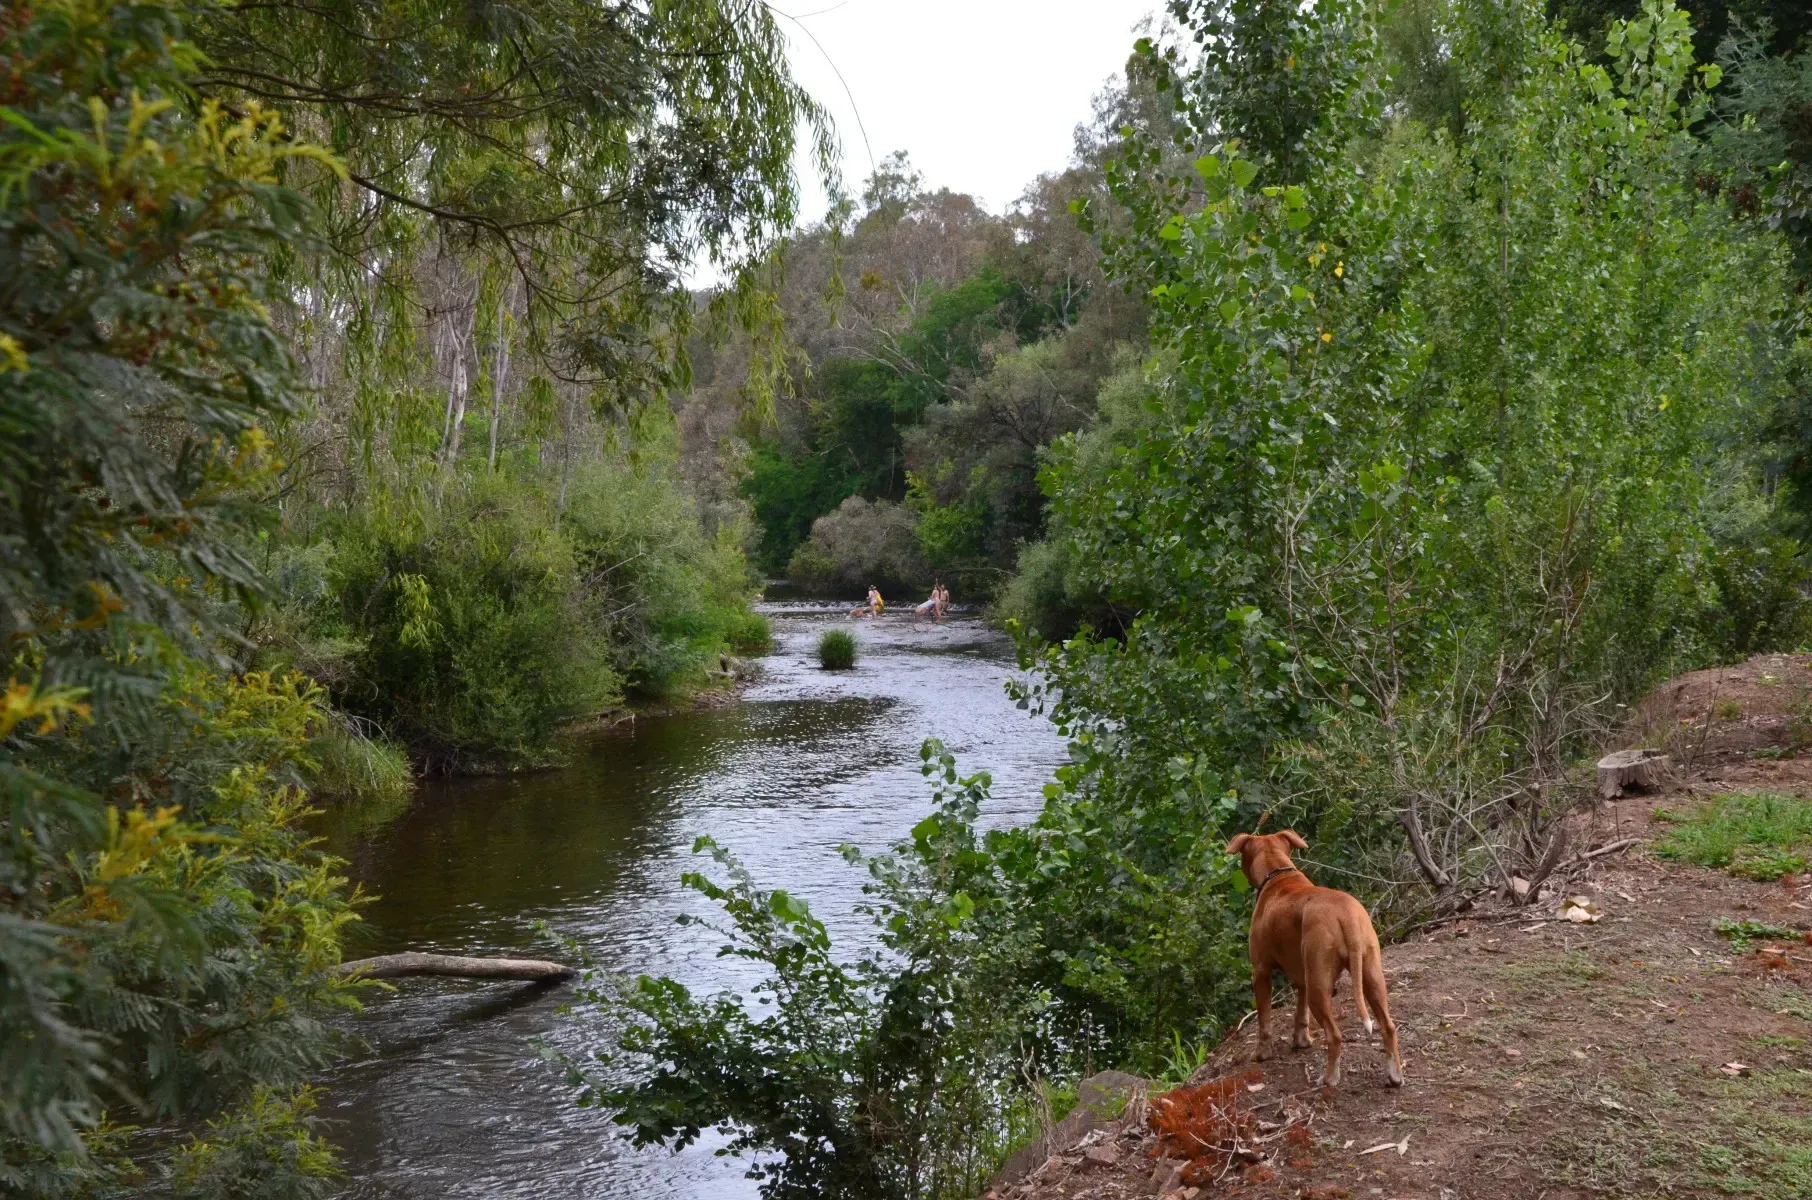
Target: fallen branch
1588,856
393,966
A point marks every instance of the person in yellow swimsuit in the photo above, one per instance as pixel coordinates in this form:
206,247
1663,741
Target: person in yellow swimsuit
873,606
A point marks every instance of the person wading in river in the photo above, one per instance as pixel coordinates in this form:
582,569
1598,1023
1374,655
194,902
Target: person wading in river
872,606
930,605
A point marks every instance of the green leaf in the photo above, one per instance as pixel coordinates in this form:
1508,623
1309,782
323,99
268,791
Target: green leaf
1243,172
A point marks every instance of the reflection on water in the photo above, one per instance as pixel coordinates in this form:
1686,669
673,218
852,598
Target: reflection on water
453,1100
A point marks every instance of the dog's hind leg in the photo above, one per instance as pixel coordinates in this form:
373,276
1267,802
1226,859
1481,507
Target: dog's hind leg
1318,988
1299,1034
1355,971
1373,981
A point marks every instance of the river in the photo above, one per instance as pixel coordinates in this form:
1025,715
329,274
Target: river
451,1098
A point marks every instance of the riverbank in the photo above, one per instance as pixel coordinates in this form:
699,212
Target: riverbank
1662,1049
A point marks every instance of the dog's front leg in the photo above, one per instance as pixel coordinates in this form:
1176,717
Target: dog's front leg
1261,1000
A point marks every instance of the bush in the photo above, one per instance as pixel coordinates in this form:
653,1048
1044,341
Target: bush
1049,596
474,643
862,542
1761,603
837,650
748,633
476,619
270,1150
168,938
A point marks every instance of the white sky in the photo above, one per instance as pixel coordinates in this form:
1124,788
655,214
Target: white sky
984,95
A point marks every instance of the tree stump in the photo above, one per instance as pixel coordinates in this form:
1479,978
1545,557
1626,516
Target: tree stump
392,966
1643,769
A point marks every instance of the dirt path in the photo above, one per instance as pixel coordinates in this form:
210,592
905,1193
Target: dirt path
1644,1055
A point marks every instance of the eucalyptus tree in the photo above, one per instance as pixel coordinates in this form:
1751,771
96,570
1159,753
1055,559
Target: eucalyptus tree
529,178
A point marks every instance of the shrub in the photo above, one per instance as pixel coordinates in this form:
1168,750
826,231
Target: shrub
890,1077
474,620
168,940
862,542
748,633
1049,596
837,650
474,642
268,1151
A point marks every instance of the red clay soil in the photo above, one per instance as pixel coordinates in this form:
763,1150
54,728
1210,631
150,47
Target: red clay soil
1644,1055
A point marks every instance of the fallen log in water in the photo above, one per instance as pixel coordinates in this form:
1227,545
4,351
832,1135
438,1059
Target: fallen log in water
393,966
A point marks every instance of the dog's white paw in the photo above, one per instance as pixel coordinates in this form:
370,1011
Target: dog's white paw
1371,1027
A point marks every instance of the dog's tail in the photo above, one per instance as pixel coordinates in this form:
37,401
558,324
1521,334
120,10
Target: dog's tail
1359,950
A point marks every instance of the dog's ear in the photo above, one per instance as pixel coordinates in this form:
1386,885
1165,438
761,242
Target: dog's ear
1239,839
1295,839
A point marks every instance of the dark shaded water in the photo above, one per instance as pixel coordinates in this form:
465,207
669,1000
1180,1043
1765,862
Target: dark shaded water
454,1100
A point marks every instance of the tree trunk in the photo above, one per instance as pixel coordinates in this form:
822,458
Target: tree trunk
500,370
1644,769
393,966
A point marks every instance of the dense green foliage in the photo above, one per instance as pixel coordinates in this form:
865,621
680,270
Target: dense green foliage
167,940
472,625
1450,443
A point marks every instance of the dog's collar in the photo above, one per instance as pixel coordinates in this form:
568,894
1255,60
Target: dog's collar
1275,872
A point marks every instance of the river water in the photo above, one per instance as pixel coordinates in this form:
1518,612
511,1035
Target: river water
452,1098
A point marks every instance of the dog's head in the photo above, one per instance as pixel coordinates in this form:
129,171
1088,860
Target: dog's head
1262,853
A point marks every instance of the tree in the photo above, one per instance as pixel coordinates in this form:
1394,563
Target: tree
586,151
167,937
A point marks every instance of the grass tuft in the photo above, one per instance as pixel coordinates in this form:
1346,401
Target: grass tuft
837,650
349,766
1758,835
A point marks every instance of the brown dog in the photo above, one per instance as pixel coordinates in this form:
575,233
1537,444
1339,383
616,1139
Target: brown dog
1311,934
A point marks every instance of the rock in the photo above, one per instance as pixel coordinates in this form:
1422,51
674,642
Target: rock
1166,1174
1104,1155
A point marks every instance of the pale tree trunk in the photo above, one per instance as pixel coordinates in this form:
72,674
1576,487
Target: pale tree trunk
500,370
459,328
